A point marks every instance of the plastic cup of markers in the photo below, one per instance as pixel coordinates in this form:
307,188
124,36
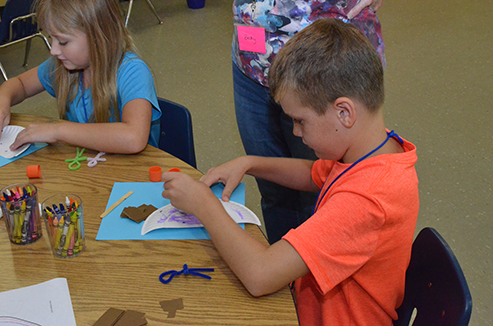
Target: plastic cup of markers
19,204
64,221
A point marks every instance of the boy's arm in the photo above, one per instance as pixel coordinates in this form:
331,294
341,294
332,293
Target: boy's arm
261,269
16,90
126,137
288,172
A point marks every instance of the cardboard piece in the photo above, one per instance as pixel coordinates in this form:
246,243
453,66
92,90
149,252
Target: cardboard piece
110,317
138,214
132,318
118,317
171,306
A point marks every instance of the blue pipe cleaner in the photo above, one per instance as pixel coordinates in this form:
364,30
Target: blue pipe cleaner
186,271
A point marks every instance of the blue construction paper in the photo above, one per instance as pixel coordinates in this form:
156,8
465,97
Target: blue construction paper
114,227
34,147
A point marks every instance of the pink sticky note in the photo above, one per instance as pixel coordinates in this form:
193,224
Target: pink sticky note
251,39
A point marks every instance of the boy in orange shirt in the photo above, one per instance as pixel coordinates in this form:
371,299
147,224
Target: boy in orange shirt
347,261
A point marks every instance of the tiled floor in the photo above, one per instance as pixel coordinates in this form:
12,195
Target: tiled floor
439,83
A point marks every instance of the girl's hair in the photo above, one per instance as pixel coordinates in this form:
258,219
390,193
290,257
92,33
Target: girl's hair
327,60
108,39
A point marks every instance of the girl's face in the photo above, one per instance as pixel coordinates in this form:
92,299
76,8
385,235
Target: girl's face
71,49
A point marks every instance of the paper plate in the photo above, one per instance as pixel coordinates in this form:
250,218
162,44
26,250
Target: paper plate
9,134
171,217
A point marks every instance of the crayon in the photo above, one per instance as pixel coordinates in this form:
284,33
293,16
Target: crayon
25,218
31,202
63,238
68,236
81,229
72,243
17,224
59,231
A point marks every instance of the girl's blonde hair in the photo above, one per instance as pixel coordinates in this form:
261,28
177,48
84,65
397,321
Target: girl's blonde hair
108,39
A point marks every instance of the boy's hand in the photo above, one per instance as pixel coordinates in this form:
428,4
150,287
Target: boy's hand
373,4
34,133
185,193
230,173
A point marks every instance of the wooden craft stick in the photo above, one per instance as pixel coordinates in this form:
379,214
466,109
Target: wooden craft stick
118,202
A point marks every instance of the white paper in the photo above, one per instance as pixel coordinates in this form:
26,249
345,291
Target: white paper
43,304
171,217
9,134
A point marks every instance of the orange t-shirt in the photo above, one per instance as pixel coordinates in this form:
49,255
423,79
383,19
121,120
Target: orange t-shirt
358,244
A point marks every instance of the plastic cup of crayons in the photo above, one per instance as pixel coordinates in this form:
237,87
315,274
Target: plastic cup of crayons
63,216
21,214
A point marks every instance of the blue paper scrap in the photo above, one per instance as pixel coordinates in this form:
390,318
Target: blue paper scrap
34,147
114,227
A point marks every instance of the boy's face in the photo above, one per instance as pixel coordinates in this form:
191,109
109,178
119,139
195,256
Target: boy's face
317,131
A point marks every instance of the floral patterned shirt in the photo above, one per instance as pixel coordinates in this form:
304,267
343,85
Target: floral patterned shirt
284,18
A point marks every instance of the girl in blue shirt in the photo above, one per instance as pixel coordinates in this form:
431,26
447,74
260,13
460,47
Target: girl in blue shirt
104,92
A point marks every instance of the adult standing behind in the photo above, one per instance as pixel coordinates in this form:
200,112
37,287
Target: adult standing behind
262,27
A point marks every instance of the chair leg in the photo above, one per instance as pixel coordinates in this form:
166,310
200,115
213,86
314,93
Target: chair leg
131,2
154,11
4,74
28,48
46,41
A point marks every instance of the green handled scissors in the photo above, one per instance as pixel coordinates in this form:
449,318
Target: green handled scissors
75,162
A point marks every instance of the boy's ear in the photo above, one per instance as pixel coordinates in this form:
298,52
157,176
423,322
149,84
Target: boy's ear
346,111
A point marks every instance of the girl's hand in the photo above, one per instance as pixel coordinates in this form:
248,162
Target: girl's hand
36,133
373,4
185,193
4,118
230,173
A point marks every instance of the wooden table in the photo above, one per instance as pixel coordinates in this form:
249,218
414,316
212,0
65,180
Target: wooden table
124,274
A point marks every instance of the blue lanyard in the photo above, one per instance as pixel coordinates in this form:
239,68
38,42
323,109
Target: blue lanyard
82,95
319,199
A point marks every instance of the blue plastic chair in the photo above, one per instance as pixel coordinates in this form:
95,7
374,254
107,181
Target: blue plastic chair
176,131
18,24
435,285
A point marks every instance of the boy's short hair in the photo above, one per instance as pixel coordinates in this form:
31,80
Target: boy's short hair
327,60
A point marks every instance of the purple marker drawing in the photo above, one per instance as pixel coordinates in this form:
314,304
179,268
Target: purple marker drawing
162,219
238,212
178,216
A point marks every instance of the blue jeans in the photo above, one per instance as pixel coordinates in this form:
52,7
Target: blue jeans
266,131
